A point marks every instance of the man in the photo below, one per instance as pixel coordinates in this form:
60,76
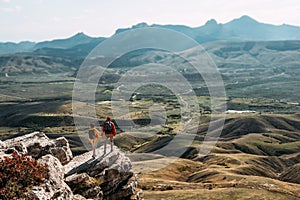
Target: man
93,138
109,129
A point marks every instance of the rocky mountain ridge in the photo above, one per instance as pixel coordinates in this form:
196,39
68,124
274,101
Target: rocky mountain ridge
109,176
244,28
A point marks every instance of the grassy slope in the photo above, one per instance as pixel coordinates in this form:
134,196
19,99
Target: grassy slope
248,164
217,194
179,180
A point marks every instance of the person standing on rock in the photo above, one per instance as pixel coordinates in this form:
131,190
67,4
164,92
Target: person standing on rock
94,134
109,129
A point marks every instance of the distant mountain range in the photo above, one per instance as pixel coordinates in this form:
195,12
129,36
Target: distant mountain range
68,43
244,28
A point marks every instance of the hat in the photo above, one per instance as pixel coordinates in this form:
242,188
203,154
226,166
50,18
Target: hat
108,118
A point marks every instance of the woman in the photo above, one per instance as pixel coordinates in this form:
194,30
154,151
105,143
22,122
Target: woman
93,138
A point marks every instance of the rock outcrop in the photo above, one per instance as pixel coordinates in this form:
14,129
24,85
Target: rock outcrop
37,145
54,187
109,176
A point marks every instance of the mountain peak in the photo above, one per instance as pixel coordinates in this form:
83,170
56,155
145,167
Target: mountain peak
246,18
78,38
80,35
140,25
242,23
211,22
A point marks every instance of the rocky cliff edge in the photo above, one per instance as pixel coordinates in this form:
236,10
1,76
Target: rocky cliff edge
109,176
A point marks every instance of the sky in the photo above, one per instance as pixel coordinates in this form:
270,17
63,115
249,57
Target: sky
39,20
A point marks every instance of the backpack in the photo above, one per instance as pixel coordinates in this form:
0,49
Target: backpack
107,127
92,134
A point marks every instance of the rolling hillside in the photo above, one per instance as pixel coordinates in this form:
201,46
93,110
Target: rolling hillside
257,155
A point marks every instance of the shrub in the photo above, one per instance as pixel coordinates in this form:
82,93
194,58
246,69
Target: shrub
18,174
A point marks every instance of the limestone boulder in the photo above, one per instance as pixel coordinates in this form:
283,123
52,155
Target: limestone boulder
54,187
37,144
111,171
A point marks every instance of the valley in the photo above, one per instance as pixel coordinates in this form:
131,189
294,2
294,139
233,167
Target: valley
257,154
256,151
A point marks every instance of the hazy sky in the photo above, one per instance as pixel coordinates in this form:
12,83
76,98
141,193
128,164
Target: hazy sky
37,20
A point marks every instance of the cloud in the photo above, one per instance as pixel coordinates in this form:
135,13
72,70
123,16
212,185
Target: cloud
11,9
6,1
7,10
56,19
